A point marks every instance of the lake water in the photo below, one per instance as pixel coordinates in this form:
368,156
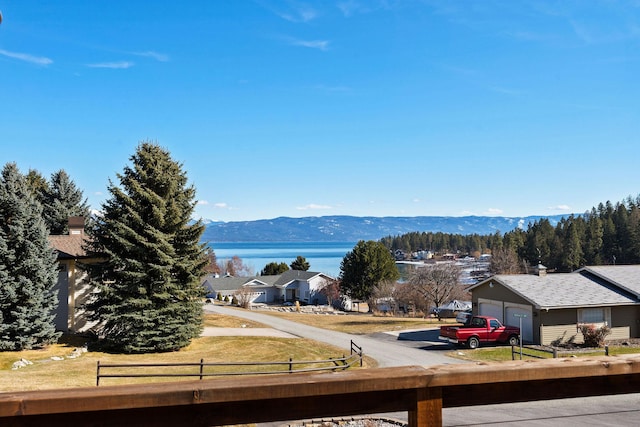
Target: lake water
323,257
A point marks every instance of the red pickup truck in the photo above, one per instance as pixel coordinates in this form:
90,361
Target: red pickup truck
480,329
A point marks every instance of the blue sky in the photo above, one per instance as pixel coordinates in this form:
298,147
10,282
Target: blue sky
345,107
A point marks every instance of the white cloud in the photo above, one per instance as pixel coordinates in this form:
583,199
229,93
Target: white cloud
113,65
313,44
564,208
39,60
221,205
161,57
352,7
313,206
494,211
295,12
202,202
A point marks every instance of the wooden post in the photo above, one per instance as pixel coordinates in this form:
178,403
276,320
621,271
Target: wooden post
98,374
201,367
428,408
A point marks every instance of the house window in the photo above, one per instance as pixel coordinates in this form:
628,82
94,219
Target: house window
596,316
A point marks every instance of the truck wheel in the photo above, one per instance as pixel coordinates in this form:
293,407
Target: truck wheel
513,340
473,343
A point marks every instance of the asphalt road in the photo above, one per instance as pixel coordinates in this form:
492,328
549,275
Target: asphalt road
423,348
403,349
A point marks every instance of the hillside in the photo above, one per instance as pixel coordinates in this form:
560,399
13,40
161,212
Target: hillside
351,229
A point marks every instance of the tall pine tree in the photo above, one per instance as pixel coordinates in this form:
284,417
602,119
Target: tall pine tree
28,268
62,199
150,297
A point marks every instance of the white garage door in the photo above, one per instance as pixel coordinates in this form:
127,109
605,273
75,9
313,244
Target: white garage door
260,296
490,308
527,322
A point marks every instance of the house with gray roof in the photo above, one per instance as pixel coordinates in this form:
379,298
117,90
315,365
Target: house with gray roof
290,286
550,307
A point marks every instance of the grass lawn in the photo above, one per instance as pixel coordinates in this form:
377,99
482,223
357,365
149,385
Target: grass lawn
46,373
360,323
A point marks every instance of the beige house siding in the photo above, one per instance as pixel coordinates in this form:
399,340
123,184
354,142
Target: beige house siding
557,334
74,293
626,317
560,334
620,333
80,296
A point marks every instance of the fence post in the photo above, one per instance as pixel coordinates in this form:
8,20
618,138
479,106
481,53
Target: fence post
555,353
606,349
201,367
291,365
98,374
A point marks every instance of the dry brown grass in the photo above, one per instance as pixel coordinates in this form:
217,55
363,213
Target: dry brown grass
221,321
46,373
360,323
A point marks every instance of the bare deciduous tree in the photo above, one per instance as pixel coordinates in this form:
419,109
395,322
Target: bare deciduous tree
438,284
383,295
244,295
235,267
331,290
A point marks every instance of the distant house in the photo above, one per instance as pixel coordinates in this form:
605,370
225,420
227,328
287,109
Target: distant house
72,286
551,306
292,285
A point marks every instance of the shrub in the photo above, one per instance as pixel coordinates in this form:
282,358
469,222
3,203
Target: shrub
594,337
234,300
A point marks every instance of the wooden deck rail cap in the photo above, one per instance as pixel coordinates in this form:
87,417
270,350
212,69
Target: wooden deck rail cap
166,394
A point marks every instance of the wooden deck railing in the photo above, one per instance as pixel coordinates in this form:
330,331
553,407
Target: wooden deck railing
422,392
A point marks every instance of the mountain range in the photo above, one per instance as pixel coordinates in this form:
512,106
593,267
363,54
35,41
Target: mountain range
352,229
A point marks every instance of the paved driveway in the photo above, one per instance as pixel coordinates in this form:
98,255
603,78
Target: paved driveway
388,349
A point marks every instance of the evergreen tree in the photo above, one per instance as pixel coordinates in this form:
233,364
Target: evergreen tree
38,185
62,199
300,264
367,265
28,268
150,297
274,268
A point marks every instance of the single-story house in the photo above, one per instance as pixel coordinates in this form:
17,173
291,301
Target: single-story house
552,306
290,286
72,286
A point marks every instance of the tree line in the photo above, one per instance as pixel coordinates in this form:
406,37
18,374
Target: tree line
608,234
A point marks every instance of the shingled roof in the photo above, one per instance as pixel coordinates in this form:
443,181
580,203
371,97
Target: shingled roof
626,277
278,280
563,290
69,246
